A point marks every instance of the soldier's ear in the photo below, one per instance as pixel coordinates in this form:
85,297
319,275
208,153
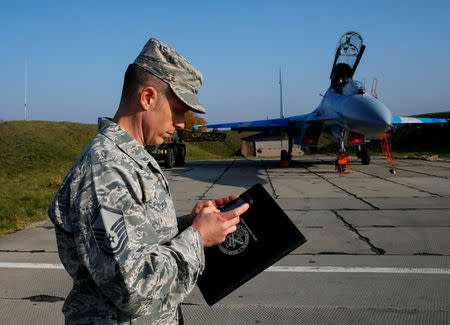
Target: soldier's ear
148,98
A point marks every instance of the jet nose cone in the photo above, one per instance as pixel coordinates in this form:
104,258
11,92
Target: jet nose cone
368,115
381,114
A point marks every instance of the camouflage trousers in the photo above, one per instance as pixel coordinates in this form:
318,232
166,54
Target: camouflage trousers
148,320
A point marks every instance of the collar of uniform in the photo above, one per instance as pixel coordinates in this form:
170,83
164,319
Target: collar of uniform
124,141
129,145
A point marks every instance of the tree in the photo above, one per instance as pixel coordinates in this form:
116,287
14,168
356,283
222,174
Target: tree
191,119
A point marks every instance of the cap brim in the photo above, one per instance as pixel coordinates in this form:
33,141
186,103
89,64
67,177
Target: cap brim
189,99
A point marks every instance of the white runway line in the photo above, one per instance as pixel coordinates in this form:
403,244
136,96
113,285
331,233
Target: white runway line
294,269
350,269
31,266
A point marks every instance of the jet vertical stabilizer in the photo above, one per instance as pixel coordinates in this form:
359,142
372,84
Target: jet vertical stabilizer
281,98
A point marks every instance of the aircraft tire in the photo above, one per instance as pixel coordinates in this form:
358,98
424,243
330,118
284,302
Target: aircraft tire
364,155
284,155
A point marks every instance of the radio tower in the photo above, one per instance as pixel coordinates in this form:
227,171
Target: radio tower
25,94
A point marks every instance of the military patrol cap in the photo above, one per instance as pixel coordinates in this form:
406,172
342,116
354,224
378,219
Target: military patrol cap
165,63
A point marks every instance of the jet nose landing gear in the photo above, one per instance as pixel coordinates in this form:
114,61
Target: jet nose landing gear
343,164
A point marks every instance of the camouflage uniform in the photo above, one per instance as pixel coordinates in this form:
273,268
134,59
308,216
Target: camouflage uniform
118,238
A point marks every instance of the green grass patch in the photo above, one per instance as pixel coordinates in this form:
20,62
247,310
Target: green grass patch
34,158
229,148
434,115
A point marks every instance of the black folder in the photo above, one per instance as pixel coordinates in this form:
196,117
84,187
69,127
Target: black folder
264,235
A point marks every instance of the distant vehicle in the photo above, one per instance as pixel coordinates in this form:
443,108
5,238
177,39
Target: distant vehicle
172,151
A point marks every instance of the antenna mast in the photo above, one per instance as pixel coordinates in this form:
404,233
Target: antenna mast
25,94
281,98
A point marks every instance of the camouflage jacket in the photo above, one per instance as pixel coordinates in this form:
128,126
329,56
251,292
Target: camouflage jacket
118,238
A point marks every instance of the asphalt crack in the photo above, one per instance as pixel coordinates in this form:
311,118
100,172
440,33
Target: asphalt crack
270,180
39,298
377,250
421,173
341,188
44,298
398,183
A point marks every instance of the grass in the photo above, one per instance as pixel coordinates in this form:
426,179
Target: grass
435,115
229,148
36,155
34,158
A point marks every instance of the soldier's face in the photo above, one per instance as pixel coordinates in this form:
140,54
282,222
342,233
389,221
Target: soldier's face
167,116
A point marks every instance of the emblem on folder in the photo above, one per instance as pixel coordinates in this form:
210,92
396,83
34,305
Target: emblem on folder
236,242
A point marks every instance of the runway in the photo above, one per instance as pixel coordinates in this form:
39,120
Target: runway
378,249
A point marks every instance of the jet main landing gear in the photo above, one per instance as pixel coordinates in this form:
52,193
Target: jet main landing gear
286,155
363,154
285,159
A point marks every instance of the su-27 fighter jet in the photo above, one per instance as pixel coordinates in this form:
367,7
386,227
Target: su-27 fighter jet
351,115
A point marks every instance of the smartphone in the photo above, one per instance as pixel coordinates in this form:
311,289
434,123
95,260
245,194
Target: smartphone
242,199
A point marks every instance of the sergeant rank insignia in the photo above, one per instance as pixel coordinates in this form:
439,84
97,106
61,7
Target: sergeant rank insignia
109,230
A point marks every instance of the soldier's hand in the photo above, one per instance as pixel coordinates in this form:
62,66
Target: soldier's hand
214,225
210,203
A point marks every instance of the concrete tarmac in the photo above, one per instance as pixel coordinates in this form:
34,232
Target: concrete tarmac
378,249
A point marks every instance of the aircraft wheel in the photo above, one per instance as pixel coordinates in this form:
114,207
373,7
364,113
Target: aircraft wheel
364,155
284,155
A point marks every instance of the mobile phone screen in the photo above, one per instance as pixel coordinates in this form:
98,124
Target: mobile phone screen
245,198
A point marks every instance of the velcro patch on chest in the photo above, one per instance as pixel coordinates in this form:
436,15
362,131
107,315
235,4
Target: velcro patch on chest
109,230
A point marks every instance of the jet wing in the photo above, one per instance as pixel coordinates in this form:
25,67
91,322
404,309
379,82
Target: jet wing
415,120
306,129
250,125
297,120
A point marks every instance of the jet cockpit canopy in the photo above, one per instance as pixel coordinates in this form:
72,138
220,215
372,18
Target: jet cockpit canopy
348,54
353,87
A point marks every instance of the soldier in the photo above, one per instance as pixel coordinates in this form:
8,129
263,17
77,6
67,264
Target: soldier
132,261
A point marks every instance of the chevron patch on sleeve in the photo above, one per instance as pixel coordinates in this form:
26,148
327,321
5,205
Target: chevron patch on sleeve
109,231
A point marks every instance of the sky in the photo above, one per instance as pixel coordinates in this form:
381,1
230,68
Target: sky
76,52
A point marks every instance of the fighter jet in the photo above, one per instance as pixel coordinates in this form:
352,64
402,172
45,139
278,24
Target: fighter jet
351,114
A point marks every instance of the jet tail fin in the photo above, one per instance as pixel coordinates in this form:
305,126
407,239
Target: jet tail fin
281,98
